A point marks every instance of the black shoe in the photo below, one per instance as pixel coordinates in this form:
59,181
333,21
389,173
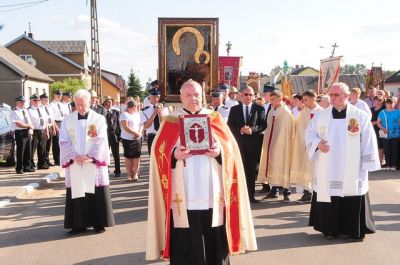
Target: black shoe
75,231
19,172
117,175
50,164
99,230
43,167
254,200
306,198
57,163
29,170
329,236
272,195
356,239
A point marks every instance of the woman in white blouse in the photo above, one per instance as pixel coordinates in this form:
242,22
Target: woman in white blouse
131,133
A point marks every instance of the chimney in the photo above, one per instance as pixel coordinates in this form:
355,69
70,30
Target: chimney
297,66
30,35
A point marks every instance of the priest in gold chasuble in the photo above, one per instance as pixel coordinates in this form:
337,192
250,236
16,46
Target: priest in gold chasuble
199,211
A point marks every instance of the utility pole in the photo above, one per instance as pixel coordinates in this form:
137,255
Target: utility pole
334,48
95,50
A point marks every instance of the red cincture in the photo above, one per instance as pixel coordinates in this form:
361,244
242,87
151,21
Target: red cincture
311,115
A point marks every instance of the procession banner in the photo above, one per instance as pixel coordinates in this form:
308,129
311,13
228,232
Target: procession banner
328,73
229,69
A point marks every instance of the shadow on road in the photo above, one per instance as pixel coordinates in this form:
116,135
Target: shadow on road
296,240
387,217
124,259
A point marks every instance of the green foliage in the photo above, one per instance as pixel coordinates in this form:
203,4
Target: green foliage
359,69
67,85
389,73
134,86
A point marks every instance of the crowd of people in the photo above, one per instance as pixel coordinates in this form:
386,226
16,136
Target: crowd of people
284,143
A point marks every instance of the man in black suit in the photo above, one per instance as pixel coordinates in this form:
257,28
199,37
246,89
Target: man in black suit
247,122
113,132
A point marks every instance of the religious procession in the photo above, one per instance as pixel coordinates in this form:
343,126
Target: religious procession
204,153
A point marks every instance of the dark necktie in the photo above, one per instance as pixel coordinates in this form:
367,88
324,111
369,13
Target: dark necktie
48,114
40,118
25,118
156,121
59,108
247,115
215,108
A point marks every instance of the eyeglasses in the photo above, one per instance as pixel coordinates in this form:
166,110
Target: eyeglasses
248,94
35,100
334,95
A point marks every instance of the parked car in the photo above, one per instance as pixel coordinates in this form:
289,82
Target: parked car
7,143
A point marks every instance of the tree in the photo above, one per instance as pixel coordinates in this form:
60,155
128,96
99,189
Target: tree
358,69
134,86
67,85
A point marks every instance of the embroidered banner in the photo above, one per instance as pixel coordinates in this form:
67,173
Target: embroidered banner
229,69
328,73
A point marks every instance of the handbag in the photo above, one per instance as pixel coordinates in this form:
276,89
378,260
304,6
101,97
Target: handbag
382,134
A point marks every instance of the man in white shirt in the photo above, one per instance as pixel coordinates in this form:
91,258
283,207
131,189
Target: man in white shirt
59,112
151,116
39,131
51,126
23,129
216,104
355,94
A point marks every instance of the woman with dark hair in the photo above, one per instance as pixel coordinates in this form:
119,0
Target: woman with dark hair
378,103
389,123
131,133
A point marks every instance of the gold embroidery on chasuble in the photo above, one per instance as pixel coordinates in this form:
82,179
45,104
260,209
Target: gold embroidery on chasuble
178,202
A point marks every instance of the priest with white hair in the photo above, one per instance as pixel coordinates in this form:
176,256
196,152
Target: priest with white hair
342,142
85,156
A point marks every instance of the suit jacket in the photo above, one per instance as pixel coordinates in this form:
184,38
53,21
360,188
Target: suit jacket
113,126
257,123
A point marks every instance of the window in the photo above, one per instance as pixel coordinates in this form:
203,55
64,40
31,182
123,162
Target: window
25,57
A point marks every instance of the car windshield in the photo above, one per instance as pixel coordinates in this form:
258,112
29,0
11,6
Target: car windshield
5,121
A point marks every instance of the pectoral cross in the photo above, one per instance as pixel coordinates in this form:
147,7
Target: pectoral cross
164,181
178,202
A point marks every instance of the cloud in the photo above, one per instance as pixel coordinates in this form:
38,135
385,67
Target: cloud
379,29
121,48
57,17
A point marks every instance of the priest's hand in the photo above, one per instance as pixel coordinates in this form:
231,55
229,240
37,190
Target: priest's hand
181,153
81,159
323,146
213,152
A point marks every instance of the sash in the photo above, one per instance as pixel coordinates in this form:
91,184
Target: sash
353,146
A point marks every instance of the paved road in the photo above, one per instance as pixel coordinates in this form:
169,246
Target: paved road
31,230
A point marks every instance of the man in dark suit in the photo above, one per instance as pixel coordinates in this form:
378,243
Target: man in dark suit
113,132
247,122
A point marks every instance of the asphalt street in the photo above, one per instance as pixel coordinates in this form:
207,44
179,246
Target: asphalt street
31,227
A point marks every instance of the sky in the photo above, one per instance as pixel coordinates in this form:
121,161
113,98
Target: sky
265,33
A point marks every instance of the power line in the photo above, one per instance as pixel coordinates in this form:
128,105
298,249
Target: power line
21,4
29,5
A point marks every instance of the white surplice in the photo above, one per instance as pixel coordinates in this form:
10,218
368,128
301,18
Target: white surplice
76,140
343,171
